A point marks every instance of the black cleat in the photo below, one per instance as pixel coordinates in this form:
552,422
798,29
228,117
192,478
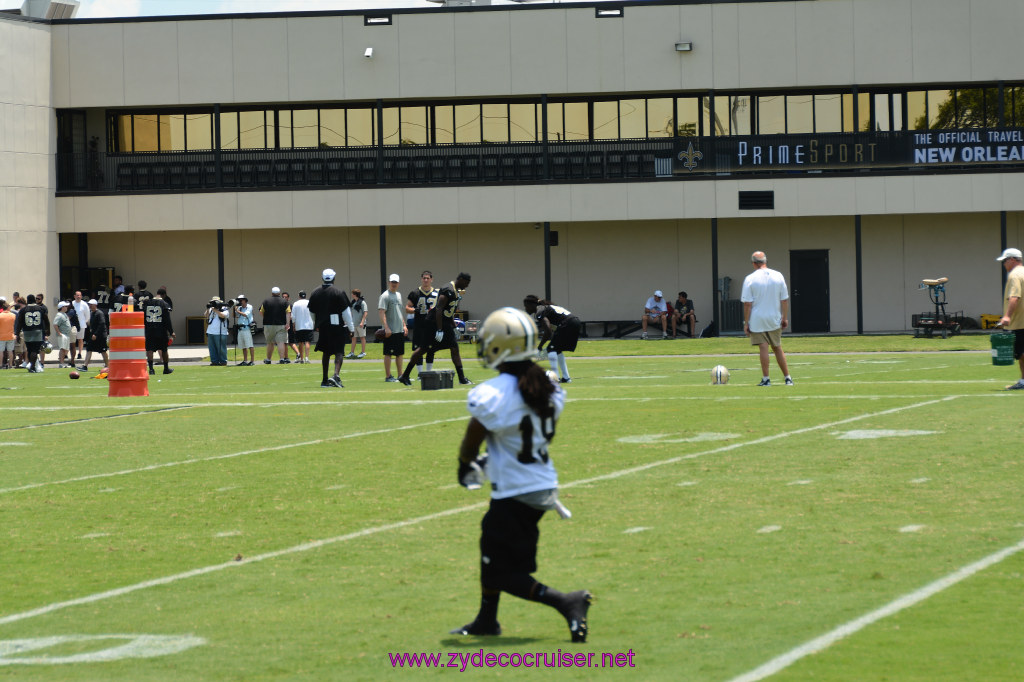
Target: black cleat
465,382
478,629
404,380
575,612
168,370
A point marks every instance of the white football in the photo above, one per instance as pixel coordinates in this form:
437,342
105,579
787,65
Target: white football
719,374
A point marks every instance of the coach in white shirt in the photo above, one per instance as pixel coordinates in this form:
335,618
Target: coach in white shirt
765,310
82,311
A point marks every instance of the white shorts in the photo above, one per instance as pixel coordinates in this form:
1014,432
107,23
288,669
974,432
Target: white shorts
244,337
63,342
79,333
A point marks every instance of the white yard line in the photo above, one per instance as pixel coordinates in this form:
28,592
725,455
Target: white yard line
213,458
92,419
117,592
818,643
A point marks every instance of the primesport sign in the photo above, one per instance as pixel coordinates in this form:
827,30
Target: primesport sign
848,151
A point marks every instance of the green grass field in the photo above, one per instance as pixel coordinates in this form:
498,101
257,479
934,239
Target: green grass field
245,524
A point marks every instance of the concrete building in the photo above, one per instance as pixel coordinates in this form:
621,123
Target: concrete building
863,144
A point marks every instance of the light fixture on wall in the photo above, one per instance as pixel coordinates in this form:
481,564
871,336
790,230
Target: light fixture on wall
684,47
368,53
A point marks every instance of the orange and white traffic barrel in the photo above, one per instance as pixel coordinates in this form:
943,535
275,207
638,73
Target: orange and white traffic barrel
129,372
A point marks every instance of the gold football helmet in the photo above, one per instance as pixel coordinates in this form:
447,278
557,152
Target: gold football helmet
507,335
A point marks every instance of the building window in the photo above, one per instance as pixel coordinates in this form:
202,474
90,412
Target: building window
495,122
467,123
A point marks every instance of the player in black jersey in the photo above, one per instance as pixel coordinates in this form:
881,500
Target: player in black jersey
159,330
332,317
142,295
442,328
560,326
421,304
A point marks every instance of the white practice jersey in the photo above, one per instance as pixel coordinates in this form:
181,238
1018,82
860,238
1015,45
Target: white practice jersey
517,439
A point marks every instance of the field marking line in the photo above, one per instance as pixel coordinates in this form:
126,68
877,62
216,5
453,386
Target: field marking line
819,643
167,580
756,441
117,592
213,458
92,419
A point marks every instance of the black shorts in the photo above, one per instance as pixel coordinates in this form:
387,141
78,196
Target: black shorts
422,336
97,346
1018,343
32,347
156,343
394,345
566,336
449,340
303,335
333,339
508,539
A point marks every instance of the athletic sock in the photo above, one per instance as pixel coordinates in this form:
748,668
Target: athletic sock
462,377
430,366
563,366
488,607
553,359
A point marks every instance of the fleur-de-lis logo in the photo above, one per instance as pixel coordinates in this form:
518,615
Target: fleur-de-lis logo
690,157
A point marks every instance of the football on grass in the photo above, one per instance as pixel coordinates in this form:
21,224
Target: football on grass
74,375
380,334
719,374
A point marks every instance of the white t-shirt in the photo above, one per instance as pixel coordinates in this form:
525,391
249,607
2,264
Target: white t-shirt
497,405
82,310
765,289
656,305
301,315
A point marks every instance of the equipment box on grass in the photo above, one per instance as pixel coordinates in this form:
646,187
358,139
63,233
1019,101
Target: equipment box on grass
433,380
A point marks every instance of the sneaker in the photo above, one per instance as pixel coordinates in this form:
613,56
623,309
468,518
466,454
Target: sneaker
326,384
391,380
83,368
575,612
643,336
404,380
266,362
286,361
151,371
360,356
765,382
1016,387
565,381
350,356
336,382
664,336
478,629
465,382
789,381
168,370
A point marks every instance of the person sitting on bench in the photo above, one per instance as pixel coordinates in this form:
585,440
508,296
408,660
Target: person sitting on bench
682,312
655,311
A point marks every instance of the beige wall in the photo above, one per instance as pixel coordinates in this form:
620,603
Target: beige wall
535,50
28,240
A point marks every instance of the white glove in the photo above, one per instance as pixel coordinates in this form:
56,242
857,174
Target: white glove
439,336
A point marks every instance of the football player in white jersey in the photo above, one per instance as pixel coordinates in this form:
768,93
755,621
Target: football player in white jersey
515,413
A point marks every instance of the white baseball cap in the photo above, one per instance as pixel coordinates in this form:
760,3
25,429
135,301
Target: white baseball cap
659,294
92,301
1010,253
329,275
275,290
394,277
62,304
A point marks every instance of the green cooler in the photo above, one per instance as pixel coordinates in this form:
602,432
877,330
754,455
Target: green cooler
1002,348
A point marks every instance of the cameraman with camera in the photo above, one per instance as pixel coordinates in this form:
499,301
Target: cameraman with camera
245,325
217,331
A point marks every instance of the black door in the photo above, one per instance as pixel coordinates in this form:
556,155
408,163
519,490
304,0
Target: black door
808,291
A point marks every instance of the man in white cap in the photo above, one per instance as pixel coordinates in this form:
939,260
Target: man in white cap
765,298
1013,311
277,317
332,317
244,322
391,309
655,311
62,333
96,336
